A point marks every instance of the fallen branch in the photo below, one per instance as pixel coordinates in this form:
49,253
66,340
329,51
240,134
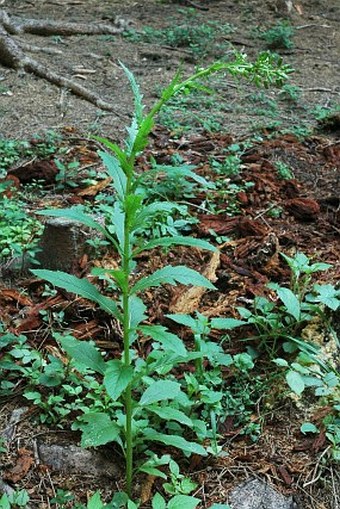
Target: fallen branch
12,52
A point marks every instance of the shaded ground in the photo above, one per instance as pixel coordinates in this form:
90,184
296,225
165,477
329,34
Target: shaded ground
272,214
28,104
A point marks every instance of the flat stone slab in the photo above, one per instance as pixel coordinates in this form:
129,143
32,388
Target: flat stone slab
256,494
73,459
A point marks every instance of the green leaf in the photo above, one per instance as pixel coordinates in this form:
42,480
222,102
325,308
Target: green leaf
176,240
117,224
80,287
173,275
175,441
137,311
159,391
95,502
220,506
226,323
76,214
171,414
138,97
186,320
115,171
183,502
295,381
290,301
152,471
150,210
117,378
121,156
98,429
84,352
282,363
158,502
169,341
308,427
328,295
315,267
4,502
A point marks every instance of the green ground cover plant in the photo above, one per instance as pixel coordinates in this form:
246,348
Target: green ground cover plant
142,388
199,37
279,36
19,230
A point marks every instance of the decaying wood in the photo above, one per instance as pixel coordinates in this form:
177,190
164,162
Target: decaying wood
13,55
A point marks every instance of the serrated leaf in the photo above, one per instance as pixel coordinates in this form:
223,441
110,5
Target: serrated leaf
183,502
169,341
137,311
117,378
115,171
177,240
117,219
132,131
175,441
159,391
84,352
186,320
173,275
150,210
171,414
138,97
75,214
226,323
295,381
290,301
98,429
81,287
121,156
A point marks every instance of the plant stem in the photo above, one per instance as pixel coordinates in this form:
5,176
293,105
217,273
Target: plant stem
126,339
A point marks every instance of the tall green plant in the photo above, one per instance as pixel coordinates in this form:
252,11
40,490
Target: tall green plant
142,386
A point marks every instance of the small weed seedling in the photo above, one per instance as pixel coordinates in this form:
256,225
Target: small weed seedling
279,36
142,387
283,170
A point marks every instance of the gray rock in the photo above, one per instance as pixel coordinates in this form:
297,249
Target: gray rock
73,459
256,494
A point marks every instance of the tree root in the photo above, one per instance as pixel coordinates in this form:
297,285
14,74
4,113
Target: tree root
12,53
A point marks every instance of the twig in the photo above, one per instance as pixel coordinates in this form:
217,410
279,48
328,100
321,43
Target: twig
321,89
315,479
311,25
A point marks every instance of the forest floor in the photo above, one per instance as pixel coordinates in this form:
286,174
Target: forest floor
275,156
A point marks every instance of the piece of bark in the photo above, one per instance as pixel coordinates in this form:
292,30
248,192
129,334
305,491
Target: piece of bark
304,209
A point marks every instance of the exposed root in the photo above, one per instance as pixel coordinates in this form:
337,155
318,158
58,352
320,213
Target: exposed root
12,52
